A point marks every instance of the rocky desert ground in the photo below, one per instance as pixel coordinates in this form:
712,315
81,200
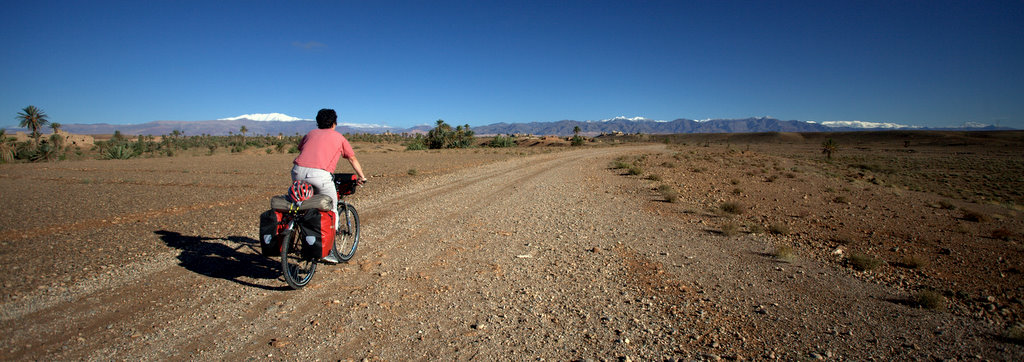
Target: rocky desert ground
693,247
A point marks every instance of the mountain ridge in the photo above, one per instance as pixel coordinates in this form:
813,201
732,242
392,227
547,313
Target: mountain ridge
627,125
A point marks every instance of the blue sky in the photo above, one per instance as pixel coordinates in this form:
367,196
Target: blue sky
404,63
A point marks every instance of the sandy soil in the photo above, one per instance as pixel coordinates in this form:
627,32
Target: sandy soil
545,252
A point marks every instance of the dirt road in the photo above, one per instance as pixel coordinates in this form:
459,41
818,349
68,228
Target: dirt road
548,256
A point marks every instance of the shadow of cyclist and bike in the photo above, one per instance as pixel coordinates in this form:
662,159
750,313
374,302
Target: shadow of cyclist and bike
217,260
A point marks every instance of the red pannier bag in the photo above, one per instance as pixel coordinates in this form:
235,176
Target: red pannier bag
318,227
271,232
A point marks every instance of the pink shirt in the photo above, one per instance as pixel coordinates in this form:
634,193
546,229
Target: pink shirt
321,148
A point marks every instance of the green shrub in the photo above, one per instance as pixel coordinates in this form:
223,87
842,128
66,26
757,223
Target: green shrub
416,144
864,262
120,152
577,140
413,172
635,170
500,141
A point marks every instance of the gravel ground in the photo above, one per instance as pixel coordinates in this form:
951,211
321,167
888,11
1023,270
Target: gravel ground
487,254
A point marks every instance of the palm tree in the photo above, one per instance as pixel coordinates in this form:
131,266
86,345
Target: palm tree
576,131
33,118
829,147
56,127
243,130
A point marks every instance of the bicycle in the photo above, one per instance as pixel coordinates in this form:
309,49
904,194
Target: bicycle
298,268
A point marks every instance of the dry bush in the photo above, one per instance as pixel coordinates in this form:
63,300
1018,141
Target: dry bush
654,177
730,229
731,207
635,170
914,262
928,299
778,228
1015,334
734,182
784,253
1002,234
843,238
971,215
841,200
756,229
670,194
617,165
667,164
413,172
864,262
737,191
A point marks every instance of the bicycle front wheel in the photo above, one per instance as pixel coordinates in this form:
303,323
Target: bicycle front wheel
346,238
297,270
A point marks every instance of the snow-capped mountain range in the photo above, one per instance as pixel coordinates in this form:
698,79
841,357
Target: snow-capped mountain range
833,124
265,117
279,123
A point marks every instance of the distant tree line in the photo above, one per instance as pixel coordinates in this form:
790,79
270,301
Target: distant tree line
443,136
120,146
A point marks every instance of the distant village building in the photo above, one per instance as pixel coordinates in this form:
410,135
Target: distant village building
75,140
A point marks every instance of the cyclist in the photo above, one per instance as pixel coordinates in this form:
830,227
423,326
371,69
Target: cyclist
319,152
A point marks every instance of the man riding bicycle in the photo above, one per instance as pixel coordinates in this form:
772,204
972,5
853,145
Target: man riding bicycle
319,152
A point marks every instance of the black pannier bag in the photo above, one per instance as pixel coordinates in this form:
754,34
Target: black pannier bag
345,183
271,229
318,227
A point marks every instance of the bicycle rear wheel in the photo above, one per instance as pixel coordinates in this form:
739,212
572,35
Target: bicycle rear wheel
298,271
346,238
